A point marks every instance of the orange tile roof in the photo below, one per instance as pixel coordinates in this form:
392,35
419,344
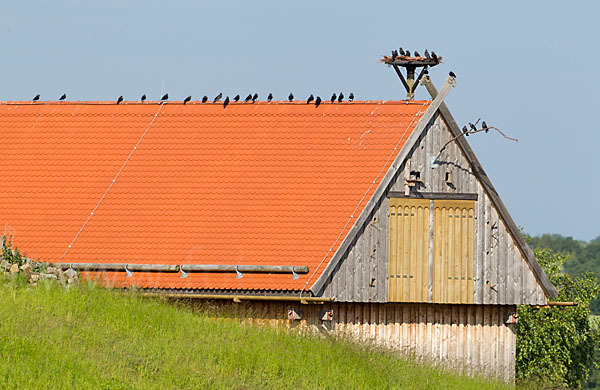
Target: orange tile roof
265,183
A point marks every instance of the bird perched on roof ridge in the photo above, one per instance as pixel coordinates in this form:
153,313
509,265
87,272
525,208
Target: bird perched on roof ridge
226,102
187,99
394,54
318,101
254,97
63,97
218,97
143,98
204,99
36,97
165,97
120,99
248,98
310,98
291,97
451,74
427,54
417,54
401,52
333,97
340,97
407,53
434,56
270,97
351,96
236,98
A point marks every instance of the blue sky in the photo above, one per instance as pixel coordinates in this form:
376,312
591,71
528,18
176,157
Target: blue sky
528,68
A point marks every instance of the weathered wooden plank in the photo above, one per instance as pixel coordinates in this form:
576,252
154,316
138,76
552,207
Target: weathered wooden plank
479,248
434,195
509,272
501,264
487,259
358,269
350,293
470,340
371,254
382,254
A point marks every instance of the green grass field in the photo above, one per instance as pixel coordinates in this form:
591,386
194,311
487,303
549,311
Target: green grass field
88,337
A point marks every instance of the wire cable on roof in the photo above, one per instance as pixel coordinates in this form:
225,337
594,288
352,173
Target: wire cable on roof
113,181
362,199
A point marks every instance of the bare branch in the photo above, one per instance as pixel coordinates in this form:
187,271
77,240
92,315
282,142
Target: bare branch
468,132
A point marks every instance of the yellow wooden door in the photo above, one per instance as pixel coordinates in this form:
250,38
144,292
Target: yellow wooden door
453,241
408,257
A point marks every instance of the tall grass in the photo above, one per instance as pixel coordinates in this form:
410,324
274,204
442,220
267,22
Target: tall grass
90,337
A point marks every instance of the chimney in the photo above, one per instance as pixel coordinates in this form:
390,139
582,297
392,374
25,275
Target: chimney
411,64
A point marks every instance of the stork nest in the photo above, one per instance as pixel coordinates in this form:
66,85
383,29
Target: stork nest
417,61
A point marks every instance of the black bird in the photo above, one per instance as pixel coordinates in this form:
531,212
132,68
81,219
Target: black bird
187,99
351,96
143,98
465,131
452,74
270,97
254,97
434,56
204,99
318,101
408,53
218,97
36,97
340,97
485,126
291,97
237,98
472,126
427,54
417,54
63,97
226,102
165,97
394,54
120,99
333,97
310,99
402,52
248,98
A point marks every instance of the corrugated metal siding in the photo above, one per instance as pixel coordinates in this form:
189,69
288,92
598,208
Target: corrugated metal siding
473,338
453,251
408,265
497,259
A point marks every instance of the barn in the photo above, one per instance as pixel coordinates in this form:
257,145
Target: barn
372,220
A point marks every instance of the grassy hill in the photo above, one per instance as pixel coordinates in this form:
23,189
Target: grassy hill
88,337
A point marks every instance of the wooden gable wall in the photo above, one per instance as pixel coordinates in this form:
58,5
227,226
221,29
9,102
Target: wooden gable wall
501,275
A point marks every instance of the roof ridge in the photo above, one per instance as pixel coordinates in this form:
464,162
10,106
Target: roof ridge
199,103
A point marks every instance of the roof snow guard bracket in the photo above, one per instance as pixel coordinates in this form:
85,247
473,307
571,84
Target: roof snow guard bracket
411,64
185,269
